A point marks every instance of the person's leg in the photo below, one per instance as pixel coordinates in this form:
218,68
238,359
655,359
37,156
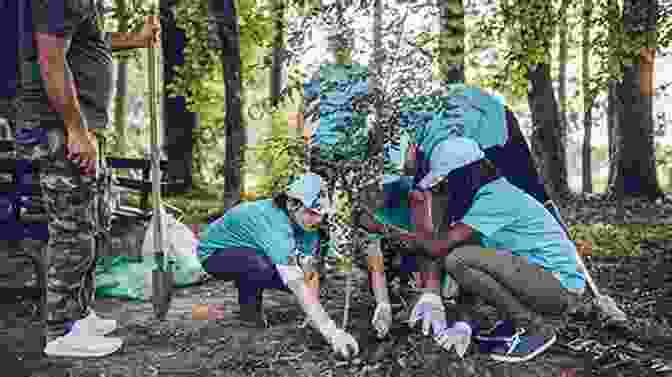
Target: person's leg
503,280
252,273
512,274
69,201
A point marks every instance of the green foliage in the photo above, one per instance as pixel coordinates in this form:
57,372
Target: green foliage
282,153
619,240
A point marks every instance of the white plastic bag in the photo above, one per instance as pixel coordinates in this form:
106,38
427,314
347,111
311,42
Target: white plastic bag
179,244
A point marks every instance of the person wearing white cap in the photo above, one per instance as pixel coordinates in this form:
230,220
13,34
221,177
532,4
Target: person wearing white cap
272,244
521,242
460,110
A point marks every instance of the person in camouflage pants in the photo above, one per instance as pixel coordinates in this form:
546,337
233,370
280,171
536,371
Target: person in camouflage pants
66,89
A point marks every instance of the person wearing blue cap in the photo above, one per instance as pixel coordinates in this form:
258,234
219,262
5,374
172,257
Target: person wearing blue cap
272,244
521,242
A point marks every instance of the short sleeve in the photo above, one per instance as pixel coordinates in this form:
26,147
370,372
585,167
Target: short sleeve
487,214
57,17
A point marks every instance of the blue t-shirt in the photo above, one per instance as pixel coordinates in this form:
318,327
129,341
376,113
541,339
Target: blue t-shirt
508,218
258,225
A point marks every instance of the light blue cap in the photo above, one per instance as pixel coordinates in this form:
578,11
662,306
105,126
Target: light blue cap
309,189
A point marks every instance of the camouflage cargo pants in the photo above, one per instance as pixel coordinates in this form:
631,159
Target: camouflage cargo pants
70,202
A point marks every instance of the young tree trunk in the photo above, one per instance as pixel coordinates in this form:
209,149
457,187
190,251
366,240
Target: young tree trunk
121,95
179,122
546,139
228,29
635,171
562,68
451,41
588,99
375,72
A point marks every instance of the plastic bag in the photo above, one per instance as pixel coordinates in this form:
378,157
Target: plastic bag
179,243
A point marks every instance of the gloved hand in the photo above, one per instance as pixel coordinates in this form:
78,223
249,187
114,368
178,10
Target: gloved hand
430,309
342,342
459,336
382,318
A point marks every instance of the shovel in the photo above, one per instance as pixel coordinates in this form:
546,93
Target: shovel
162,275
605,303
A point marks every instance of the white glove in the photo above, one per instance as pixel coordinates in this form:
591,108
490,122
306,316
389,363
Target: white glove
430,309
341,342
459,336
382,318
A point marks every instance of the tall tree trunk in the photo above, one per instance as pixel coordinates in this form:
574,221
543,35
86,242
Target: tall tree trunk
635,171
588,98
121,95
179,122
546,139
614,106
451,41
277,68
228,29
562,68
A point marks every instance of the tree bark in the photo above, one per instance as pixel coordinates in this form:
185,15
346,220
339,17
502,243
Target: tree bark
588,99
179,123
452,41
228,30
277,68
562,68
635,172
546,139
121,94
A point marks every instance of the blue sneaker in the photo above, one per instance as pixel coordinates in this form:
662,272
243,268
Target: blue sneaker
524,345
497,336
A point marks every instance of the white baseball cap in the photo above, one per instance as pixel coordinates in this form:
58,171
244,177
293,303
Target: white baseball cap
449,155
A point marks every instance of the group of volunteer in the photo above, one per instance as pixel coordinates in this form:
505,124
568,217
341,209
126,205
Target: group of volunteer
475,215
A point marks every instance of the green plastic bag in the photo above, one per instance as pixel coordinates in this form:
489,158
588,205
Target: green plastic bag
123,277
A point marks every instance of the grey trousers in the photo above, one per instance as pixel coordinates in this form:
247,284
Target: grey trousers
517,288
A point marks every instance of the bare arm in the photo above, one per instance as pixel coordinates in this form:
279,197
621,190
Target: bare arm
125,41
58,79
376,263
441,244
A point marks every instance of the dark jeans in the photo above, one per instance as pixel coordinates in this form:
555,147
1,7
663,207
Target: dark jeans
251,271
519,289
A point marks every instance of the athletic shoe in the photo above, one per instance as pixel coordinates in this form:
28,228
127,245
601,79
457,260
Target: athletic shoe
94,325
525,345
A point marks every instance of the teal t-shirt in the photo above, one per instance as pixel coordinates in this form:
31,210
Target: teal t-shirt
463,111
508,218
261,226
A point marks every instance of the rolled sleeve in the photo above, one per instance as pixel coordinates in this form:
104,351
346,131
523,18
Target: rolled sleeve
57,17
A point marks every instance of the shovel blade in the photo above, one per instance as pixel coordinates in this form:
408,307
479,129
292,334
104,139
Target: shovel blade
163,282
609,307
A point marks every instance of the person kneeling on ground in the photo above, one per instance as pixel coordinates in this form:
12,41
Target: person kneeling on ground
526,265
271,244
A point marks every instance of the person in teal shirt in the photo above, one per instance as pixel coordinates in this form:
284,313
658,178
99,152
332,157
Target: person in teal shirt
272,244
465,111
526,266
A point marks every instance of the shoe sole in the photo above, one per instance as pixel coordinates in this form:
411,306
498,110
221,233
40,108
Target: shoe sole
62,350
514,359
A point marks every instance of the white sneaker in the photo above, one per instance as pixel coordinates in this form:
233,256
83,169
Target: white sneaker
82,345
94,325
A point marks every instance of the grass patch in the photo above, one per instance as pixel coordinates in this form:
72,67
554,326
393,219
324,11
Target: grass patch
619,240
